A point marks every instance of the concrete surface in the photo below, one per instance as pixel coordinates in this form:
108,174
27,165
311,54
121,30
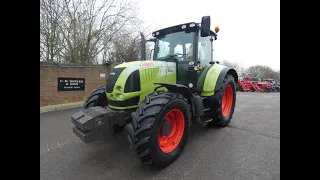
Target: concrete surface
248,149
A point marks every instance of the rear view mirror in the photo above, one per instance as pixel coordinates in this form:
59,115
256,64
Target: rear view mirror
205,26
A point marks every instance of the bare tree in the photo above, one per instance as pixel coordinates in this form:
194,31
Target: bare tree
278,76
125,48
240,69
84,31
50,39
273,75
263,72
92,26
126,45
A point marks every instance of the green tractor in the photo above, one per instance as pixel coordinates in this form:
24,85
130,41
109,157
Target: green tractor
156,101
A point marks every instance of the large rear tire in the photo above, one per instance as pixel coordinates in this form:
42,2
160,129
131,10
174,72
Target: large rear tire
97,97
159,128
223,102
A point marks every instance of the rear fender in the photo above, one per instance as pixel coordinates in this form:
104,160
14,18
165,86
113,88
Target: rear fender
214,79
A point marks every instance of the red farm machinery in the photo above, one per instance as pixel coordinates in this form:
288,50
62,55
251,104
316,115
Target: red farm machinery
249,84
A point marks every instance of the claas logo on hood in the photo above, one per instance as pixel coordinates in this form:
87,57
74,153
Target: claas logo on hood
145,64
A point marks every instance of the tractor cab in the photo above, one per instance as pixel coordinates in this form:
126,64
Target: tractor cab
189,45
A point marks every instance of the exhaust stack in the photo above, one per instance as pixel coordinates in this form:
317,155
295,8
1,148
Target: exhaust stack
143,47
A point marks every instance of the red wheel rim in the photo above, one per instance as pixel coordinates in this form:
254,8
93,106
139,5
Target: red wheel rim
169,142
227,101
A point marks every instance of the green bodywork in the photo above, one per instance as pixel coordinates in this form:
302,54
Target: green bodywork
210,79
159,72
150,72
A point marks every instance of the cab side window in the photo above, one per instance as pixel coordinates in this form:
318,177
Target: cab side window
204,51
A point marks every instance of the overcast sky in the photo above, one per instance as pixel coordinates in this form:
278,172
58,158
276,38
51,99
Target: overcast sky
249,29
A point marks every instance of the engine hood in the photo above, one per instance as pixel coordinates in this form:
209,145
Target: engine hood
130,67
136,78
141,64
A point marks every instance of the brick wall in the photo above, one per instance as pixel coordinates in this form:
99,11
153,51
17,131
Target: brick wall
49,73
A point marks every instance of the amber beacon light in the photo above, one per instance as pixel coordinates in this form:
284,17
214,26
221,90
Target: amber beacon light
216,29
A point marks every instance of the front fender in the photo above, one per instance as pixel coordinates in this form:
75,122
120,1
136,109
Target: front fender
214,78
177,88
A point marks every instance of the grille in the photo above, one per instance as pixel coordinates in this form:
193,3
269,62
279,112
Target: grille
133,82
112,79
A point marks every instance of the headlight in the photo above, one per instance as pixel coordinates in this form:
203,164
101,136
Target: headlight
121,96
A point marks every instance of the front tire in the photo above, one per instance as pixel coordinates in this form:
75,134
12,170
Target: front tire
223,102
97,97
159,128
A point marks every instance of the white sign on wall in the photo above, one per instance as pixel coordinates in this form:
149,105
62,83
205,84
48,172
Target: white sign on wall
102,75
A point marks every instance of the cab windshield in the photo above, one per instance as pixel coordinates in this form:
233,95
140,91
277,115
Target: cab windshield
179,44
